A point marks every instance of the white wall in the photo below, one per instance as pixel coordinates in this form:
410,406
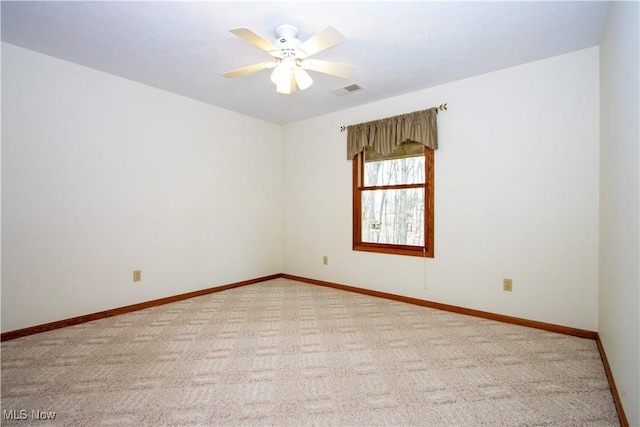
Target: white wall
102,176
619,322
516,195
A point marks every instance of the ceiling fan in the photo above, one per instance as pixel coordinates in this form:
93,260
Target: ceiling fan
291,57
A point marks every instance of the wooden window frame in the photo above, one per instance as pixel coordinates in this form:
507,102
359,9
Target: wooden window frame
427,250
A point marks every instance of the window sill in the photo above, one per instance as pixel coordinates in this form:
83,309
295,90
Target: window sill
394,250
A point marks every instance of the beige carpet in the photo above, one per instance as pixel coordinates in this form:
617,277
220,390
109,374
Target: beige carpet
290,354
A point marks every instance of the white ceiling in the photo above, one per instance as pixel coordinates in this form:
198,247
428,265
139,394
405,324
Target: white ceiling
396,46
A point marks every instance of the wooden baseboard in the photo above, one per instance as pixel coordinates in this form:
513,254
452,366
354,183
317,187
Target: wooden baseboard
5,336
455,309
140,306
612,384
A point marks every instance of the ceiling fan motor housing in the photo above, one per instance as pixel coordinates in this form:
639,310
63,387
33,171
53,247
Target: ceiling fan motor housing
287,36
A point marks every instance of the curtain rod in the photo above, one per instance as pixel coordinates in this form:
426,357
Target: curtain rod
441,107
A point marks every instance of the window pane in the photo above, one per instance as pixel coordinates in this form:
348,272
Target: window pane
393,216
408,170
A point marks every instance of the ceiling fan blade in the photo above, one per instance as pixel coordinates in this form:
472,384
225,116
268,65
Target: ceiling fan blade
249,69
334,68
254,39
325,39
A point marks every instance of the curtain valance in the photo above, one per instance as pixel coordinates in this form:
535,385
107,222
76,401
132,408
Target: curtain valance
385,135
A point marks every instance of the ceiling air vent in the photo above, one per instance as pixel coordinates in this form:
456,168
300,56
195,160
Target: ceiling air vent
341,91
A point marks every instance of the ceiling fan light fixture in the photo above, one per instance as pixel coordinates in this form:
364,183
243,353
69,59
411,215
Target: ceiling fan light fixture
286,86
303,79
287,74
282,72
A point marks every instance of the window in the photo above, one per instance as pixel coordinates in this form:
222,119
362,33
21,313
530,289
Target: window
393,201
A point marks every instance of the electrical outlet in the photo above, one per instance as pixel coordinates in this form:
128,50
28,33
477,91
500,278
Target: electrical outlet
137,275
325,260
507,285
